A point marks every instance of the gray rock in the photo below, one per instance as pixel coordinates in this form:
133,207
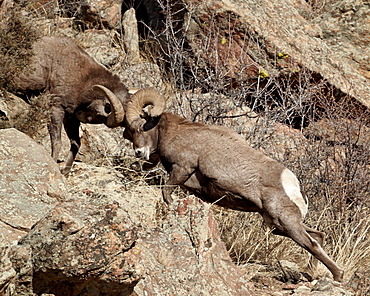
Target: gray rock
31,183
289,271
326,286
360,280
15,269
131,36
7,274
12,111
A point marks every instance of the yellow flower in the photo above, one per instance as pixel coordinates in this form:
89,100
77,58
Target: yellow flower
263,74
282,55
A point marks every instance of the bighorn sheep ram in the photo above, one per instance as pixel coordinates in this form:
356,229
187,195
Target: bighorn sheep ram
65,72
217,165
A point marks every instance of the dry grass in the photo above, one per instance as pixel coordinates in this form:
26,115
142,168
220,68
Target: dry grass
348,241
248,240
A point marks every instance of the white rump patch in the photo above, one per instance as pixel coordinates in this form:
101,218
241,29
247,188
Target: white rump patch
291,186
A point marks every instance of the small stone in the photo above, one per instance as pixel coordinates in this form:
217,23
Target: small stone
302,289
323,284
289,287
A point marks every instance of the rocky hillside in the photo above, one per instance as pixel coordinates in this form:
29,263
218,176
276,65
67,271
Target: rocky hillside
291,76
97,233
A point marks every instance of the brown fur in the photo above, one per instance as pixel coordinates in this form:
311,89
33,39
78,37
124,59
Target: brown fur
218,166
67,73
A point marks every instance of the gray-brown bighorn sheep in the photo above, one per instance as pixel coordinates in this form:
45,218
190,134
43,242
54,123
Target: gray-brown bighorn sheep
218,166
65,72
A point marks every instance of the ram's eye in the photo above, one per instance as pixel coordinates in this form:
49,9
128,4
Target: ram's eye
108,108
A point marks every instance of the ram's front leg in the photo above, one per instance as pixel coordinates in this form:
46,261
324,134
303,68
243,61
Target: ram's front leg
55,130
178,176
71,126
151,163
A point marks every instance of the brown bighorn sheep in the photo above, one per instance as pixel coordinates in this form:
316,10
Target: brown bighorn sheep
218,166
65,72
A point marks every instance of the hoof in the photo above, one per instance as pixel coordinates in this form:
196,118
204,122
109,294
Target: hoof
338,276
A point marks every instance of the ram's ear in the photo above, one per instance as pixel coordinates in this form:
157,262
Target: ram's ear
151,123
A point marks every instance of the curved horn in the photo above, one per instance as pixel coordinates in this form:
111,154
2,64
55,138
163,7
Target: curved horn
118,113
147,97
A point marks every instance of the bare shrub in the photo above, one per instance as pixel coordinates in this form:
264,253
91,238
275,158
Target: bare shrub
17,33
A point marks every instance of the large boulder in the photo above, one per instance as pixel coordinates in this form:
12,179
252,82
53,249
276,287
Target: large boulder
104,183
30,183
93,247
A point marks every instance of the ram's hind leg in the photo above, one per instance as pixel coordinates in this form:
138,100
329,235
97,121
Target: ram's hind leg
320,238
300,234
